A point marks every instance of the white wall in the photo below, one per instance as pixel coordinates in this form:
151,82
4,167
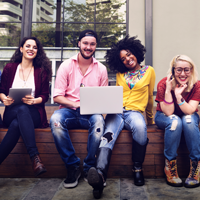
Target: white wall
176,30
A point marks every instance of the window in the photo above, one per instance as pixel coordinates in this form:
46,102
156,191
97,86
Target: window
62,21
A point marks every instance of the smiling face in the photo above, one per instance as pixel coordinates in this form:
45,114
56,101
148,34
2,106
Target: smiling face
129,60
182,72
29,49
87,46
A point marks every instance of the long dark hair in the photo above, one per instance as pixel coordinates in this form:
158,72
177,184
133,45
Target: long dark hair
128,43
40,61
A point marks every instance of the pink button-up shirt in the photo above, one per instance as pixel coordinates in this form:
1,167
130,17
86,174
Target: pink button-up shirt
69,78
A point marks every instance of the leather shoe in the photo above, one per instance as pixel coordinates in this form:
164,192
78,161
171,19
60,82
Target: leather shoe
37,165
138,174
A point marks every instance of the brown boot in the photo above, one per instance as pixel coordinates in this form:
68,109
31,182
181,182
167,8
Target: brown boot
171,173
37,165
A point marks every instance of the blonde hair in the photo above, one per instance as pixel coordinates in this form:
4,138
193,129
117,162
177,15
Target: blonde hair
194,74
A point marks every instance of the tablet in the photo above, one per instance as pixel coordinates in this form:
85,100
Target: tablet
18,93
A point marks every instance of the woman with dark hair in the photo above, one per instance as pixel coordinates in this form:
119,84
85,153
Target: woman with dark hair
29,67
178,97
138,81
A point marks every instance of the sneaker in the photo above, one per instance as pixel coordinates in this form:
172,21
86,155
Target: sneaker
73,174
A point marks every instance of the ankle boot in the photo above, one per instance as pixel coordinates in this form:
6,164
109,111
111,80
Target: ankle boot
138,174
97,176
138,155
171,173
194,175
37,165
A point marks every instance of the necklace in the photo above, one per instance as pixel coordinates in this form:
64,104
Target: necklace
27,76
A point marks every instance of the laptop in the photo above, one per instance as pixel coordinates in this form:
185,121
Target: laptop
101,100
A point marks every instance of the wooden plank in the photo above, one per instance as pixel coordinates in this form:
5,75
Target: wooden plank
119,149
23,171
55,159
45,135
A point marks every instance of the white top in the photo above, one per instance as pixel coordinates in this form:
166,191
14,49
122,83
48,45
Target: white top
19,83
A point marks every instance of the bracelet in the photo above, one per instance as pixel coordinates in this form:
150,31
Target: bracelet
168,102
181,103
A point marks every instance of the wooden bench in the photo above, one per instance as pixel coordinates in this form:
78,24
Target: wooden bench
18,164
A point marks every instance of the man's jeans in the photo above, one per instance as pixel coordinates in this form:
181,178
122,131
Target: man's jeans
173,126
131,120
66,118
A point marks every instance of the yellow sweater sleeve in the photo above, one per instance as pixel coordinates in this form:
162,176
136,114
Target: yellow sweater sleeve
149,109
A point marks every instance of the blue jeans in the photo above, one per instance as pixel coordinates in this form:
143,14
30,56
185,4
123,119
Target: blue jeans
174,126
131,120
66,118
21,120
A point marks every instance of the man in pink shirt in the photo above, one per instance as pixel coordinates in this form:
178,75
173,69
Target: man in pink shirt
80,70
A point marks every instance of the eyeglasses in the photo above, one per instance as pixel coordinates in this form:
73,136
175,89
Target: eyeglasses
179,70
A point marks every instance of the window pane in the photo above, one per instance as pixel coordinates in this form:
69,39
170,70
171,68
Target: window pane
78,11
10,22
11,11
45,10
46,33
109,33
110,11
8,31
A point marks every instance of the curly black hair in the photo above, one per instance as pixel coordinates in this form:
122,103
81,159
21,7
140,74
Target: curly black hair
128,43
40,61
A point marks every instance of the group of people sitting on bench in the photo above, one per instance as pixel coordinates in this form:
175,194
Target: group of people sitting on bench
177,98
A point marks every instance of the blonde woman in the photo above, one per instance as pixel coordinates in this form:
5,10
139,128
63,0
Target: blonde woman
178,96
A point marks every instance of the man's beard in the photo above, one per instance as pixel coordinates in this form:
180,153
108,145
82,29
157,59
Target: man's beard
85,57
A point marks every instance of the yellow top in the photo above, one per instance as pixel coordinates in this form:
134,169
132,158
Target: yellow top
140,97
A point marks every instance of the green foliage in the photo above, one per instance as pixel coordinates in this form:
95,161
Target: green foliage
45,33
10,35
107,16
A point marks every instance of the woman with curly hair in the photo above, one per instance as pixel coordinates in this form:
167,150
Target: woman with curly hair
29,67
178,97
138,81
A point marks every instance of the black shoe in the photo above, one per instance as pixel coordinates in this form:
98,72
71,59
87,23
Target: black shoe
138,174
96,181
73,174
85,175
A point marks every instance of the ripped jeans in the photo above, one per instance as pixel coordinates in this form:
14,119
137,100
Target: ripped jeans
174,126
66,118
131,120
